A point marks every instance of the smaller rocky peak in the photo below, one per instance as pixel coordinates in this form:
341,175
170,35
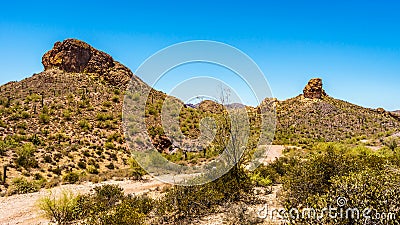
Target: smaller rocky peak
313,89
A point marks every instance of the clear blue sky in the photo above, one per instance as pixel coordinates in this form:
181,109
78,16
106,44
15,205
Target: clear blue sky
353,45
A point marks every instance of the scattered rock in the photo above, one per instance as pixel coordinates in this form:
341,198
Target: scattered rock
381,110
314,89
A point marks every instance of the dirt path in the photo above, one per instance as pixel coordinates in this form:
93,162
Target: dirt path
22,209
275,151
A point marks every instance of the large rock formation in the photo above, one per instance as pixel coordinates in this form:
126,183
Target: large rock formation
314,89
76,56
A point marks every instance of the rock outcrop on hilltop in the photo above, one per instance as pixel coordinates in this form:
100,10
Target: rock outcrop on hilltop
313,89
76,56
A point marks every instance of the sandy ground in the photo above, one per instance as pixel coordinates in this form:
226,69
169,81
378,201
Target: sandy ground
22,209
275,151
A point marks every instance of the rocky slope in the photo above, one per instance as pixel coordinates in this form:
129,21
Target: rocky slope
66,118
315,116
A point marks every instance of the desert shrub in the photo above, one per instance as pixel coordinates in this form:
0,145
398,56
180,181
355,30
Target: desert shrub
339,171
2,123
38,176
109,145
273,171
115,98
368,189
107,104
62,209
104,116
260,180
391,143
25,115
26,157
108,195
82,164
3,147
110,166
71,178
130,210
107,124
184,202
117,92
84,125
123,214
47,158
136,171
135,96
44,118
92,169
23,186
67,115
57,170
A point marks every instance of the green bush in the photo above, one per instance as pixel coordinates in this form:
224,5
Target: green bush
107,104
184,202
260,180
136,171
71,178
115,99
84,125
330,171
2,123
25,115
123,214
22,186
92,169
67,115
82,164
3,147
376,190
44,118
62,209
26,157
109,145
108,195
104,117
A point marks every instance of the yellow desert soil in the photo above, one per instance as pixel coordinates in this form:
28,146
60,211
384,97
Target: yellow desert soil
22,209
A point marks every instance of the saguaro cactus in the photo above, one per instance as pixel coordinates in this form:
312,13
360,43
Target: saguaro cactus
4,174
42,100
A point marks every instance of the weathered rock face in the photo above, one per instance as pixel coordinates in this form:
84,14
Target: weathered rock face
314,89
76,56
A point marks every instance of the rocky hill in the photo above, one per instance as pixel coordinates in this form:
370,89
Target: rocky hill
315,116
66,118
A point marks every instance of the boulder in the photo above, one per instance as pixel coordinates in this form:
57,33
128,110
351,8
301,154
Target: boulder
75,56
314,90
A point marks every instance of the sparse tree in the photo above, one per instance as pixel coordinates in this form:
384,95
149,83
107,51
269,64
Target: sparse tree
231,132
